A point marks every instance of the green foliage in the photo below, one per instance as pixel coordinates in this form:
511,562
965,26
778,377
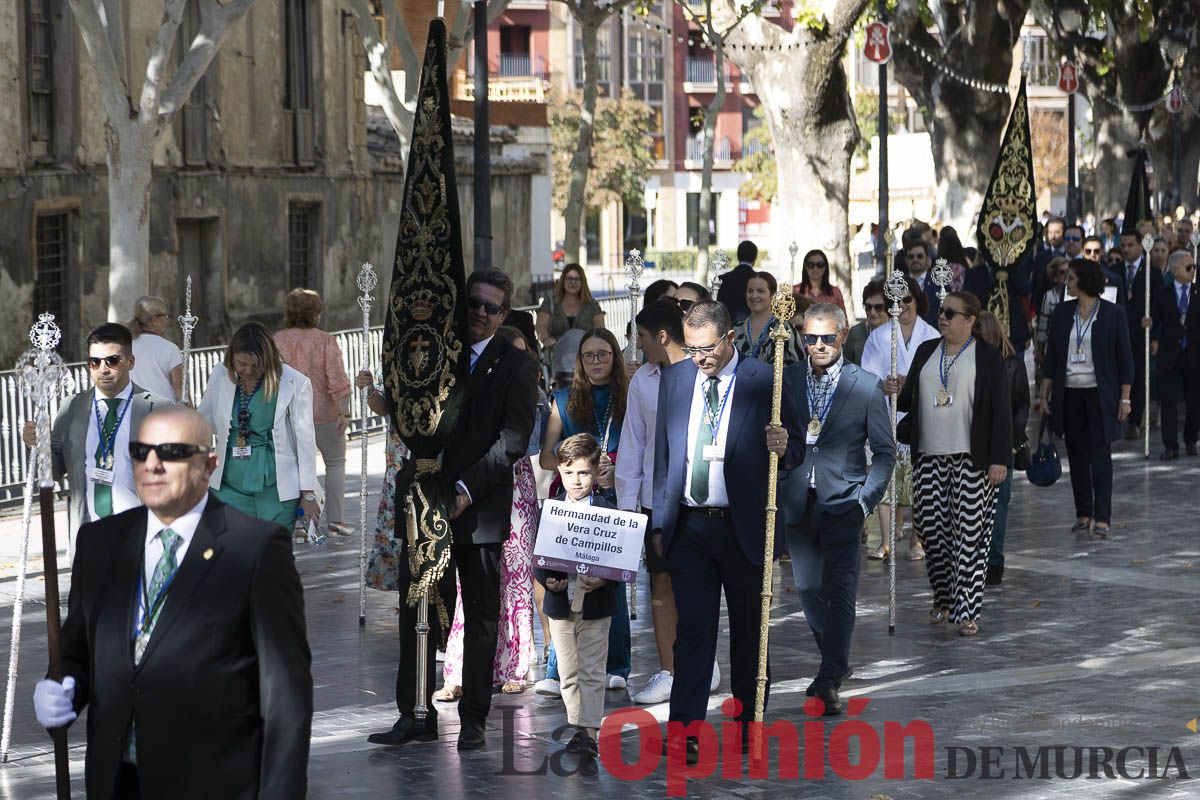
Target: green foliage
808,13
622,148
758,163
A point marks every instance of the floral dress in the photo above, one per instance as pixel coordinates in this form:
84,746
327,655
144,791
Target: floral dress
383,566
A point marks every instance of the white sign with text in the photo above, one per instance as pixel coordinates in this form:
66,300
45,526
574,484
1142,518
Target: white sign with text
588,540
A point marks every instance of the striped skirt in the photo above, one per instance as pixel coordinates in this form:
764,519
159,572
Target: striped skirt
953,507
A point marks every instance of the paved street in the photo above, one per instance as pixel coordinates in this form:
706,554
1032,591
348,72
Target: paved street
1088,644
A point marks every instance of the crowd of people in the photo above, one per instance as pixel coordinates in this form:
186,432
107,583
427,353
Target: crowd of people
681,434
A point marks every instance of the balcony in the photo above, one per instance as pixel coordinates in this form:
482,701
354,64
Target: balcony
699,75
753,147
770,10
694,153
535,5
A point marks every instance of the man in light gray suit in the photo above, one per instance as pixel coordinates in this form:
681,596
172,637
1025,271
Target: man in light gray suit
90,437
825,500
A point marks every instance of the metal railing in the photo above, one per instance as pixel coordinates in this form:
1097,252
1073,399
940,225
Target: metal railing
695,149
700,70
515,66
15,408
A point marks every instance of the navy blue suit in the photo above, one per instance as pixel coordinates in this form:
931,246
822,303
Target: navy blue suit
825,501
714,548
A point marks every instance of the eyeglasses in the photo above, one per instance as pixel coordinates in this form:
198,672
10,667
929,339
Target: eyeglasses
474,303
908,298
597,357
814,265
1072,238
875,307
707,350
811,339
112,361
167,451
686,305
950,313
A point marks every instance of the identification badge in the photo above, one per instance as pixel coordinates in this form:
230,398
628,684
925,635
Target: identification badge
943,398
242,452
713,452
102,476
1078,358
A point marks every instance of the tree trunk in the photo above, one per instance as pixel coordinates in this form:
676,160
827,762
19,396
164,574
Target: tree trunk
1115,133
704,216
965,147
129,158
589,26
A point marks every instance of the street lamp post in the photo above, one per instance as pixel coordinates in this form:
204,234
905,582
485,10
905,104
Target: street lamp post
1069,16
1175,44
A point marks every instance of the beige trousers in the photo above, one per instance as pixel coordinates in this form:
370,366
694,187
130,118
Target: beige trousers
333,452
582,649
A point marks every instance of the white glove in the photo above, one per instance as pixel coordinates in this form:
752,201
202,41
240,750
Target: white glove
53,702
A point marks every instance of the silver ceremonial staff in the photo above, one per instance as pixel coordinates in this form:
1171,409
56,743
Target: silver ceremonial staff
40,374
942,276
187,322
896,289
717,266
367,281
635,266
1147,246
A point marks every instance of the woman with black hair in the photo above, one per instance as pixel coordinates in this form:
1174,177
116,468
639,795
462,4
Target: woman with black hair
815,283
1087,377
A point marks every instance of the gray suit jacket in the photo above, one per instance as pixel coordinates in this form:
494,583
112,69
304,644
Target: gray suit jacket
858,413
68,444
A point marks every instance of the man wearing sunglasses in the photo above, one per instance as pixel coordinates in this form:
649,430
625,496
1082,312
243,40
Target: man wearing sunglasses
1176,342
90,437
827,499
185,635
710,495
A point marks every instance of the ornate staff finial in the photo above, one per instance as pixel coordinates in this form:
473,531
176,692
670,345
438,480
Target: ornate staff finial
366,281
942,276
896,289
1148,242
635,266
783,306
716,267
187,323
1195,241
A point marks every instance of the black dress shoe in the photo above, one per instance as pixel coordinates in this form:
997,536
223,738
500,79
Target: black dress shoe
406,730
691,747
1191,448
829,696
581,743
471,737
995,574
1170,454
811,691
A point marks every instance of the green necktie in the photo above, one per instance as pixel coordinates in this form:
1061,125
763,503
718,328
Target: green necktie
164,570
704,437
102,493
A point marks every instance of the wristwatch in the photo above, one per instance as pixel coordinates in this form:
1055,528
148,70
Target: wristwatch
309,497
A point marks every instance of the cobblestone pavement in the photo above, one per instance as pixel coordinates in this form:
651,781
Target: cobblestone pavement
1089,643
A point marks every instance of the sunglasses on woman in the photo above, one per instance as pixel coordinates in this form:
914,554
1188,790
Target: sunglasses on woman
814,265
950,313
686,305
875,307
167,451
112,361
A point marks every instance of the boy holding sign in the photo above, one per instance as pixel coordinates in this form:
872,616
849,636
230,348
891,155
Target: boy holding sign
580,608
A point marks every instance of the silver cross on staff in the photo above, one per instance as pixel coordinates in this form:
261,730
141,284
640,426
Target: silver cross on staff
942,276
187,322
635,266
717,267
895,290
1195,243
366,282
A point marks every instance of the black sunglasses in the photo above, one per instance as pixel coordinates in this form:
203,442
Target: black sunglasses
474,303
113,361
950,313
167,451
686,305
1072,238
814,265
810,339
908,298
875,306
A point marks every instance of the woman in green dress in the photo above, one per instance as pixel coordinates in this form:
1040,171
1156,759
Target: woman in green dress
261,412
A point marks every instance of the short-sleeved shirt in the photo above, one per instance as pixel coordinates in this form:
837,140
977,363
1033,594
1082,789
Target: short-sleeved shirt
560,323
154,358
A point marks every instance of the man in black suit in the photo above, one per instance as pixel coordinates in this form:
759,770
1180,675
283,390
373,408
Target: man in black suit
1133,298
492,433
733,283
710,493
185,636
918,258
1176,317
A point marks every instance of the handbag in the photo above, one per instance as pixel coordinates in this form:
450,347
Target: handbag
1045,468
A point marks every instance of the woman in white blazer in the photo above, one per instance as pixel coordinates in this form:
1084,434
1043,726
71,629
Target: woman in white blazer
261,412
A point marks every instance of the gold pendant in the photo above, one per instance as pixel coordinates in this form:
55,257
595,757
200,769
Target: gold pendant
241,441
108,461
814,427
943,397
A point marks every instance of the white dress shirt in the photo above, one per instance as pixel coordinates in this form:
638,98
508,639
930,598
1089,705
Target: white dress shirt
184,526
718,496
124,495
635,467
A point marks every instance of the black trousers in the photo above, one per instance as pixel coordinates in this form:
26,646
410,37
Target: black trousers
1168,398
1137,392
825,564
1089,454
479,575
127,787
704,558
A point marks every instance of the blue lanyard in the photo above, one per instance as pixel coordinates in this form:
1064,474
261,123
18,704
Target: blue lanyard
943,368
107,445
1079,334
820,408
714,424
762,336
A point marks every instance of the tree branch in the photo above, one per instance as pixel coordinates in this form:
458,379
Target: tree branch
114,24
381,68
216,23
160,55
114,95
399,36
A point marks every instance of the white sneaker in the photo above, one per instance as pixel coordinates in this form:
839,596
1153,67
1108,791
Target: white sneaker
615,682
548,687
658,690
716,678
